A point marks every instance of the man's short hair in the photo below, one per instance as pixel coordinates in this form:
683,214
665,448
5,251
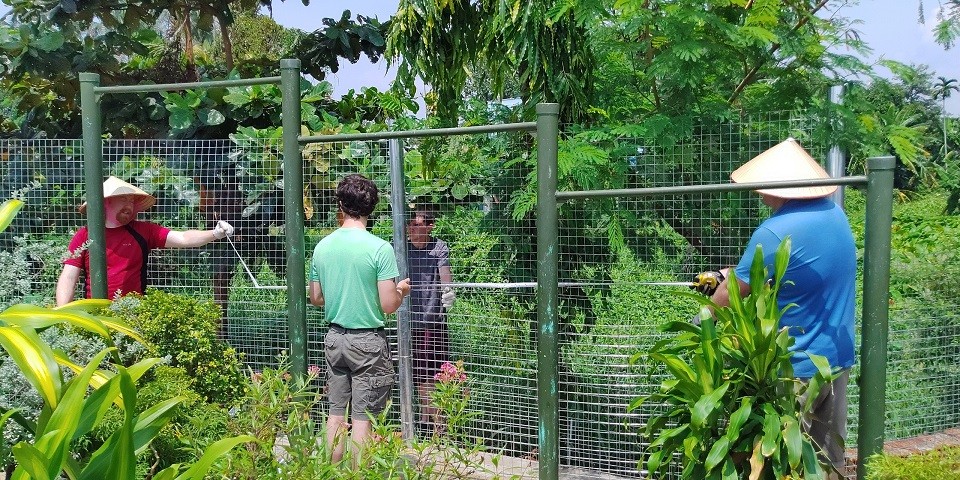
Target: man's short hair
424,212
357,195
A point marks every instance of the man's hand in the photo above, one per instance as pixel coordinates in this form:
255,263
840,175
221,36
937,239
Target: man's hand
223,229
448,297
707,282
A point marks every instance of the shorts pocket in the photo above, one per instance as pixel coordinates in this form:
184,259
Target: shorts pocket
378,392
370,343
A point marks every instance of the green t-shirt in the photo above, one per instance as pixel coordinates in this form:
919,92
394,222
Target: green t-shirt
348,263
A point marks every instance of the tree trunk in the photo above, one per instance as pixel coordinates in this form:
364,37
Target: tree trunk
227,44
188,44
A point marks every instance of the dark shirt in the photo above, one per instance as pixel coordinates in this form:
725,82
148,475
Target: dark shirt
424,265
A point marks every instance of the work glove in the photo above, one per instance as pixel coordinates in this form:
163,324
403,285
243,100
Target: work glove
223,229
448,297
707,282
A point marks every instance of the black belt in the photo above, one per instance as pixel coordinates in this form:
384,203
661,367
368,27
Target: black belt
341,329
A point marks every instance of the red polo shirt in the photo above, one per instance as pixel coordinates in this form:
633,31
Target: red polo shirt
124,255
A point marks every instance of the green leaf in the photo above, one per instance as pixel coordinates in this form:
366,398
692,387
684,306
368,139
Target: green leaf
199,469
771,432
31,462
460,191
793,438
739,418
100,400
36,361
50,42
211,116
811,465
169,473
8,210
35,317
181,119
729,470
718,452
123,461
707,405
67,415
151,421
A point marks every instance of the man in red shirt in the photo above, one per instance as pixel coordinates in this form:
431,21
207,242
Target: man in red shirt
128,243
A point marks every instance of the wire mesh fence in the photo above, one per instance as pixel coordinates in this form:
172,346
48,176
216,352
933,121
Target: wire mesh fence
481,189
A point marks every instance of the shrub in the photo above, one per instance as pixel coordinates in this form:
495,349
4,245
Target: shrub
933,465
195,425
30,270
730,407
184,330
17,392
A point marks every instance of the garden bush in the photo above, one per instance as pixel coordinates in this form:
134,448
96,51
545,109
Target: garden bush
31,269
730,404
17,392
924,346
184,329
194,426
940,464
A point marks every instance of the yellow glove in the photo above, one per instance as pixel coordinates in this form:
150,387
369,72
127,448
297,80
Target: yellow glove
707,282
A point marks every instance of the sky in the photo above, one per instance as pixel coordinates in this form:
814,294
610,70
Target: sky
889,27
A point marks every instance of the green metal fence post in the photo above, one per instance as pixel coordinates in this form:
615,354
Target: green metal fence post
548,376
93,174
876,294
293,215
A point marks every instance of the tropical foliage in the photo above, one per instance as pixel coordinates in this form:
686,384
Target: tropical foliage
74,405
729,408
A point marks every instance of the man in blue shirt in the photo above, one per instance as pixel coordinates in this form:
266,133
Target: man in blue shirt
820,279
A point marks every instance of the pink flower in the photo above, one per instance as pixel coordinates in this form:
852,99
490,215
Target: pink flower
450,373
313,371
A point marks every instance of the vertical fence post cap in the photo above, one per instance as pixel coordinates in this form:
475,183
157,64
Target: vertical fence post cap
89,77
881,163
290,63
548,109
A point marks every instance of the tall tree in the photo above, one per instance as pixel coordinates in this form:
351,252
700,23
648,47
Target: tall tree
947,29
545,45
942,90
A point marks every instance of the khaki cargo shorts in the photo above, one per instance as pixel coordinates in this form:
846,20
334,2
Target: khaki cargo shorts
359,371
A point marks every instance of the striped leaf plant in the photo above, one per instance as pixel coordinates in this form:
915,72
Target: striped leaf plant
729,409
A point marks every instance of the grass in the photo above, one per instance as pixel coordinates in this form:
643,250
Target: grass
940,464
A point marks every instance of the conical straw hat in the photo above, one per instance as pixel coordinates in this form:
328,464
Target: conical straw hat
114,187
785,161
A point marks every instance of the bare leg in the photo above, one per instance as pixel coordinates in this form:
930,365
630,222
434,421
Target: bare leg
359,434
336,436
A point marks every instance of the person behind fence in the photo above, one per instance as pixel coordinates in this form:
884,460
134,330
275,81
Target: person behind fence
820,280
128,243
352,275
431,295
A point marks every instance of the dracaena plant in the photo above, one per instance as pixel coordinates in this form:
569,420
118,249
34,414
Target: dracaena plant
729,409
72,408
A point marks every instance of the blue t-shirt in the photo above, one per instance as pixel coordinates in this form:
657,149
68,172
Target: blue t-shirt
823,269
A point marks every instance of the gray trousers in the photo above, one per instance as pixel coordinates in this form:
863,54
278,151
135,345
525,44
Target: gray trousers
827,422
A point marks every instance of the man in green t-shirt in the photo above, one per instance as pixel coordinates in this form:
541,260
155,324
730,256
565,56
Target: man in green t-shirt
352,276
